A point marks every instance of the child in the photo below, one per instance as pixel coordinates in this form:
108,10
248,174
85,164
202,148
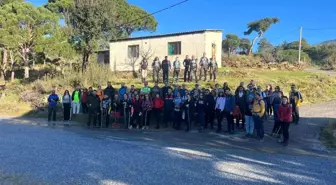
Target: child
147,106
157,109
106,105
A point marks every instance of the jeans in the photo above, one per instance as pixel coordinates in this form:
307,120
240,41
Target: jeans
157,115
249,125
177,119
146,118
52,111
176,74
75,107
193,75
204,70
220,116
259,126
186,74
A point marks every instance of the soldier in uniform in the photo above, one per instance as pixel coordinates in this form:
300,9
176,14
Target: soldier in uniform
156,66
213,66
143,68
193,69
204,63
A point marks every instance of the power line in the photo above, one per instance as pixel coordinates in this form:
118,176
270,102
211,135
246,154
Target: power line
319,29
164,9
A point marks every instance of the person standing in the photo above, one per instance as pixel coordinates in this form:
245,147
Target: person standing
210,108
94,108
76,97
106,106
116,108
168,107
166,67
201,109
177,68
143,68
186,64
145,90
295,98
126,112
229,108
193,69
147,106
226,87
100,93
177,111
195,92
109,90
156,90
204,64
258,112
165,89
285,117
188,111
249,126
220,105
84,100
66,101
52,105
213,66
157,109
137,112
241,100
156,66
122,90
276,104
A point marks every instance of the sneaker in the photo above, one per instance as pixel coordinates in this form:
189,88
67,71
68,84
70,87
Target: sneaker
143,128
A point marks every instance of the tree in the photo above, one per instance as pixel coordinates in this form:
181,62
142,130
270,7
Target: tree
94,23
230,44
265,46
23,26
260,26
295,45
291,56
244,45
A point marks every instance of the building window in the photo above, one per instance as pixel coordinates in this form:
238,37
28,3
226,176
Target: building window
133,51
174,48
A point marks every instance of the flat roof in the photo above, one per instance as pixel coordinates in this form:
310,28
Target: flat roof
167,35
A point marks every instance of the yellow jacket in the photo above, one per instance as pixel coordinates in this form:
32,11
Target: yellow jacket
259,108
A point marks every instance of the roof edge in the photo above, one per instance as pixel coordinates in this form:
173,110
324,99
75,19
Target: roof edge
166,35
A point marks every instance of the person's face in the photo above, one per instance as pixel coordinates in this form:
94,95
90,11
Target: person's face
166,58
284,100
90,89
242,84
216,86
259,88
132,87
204,54
225,84
157,96
293,88
241,89
228,92
193,57
187,57
109,84
67,92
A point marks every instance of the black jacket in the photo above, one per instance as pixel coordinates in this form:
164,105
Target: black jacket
166,65
93,102
186,64
210,102
169,102
165,90
241,101
109,91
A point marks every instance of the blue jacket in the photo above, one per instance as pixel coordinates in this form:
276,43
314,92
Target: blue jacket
54,97
230,103
122,92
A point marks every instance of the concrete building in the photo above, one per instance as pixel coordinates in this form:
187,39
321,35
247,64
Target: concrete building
128,53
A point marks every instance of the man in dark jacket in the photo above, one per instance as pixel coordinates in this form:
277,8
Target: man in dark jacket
168,107
94,108
109,90
210,108
166,66
156,90
165,89
229,108
186,64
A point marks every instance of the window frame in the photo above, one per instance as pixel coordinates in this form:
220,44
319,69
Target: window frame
136,49
178,45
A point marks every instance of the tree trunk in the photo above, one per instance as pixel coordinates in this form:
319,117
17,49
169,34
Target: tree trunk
4,59
26,71
252,44
85,61
44,62
12,66
12,75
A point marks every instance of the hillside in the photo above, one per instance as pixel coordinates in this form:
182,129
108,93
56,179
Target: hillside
328,42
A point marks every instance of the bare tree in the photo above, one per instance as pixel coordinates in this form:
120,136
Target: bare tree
133,58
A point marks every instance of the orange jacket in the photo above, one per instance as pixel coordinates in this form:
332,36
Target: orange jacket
100,94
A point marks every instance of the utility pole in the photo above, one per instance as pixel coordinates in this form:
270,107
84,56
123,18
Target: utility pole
300,43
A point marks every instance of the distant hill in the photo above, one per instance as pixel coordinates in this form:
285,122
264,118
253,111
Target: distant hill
328,42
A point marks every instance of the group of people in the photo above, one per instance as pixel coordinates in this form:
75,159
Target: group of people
191,67
245,108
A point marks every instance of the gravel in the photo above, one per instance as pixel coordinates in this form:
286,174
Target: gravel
46,155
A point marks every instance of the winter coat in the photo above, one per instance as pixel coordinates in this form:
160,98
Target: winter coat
109,91
156,90
93,102
137,105
230,103
100,94
285,113
241,102
165,90
122,92
186,64
210,102
147,105
169,102
158,103
166,65
52,100
200,106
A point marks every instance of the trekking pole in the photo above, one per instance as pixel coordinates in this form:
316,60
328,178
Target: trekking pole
125,115
189,123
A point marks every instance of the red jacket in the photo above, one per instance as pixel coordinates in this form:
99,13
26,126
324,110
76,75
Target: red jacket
157,103
285,113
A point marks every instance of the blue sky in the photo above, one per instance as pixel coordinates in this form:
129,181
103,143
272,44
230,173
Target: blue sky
233,16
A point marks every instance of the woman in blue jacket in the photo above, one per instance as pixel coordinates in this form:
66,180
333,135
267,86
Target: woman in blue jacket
229,108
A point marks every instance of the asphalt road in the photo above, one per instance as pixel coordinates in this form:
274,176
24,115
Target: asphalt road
45,155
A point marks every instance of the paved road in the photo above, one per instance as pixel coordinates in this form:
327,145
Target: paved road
31,154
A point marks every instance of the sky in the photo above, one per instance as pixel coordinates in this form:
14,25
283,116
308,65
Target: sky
317,17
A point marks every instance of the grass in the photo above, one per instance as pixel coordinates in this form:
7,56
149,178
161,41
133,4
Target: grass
315,87
328,134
